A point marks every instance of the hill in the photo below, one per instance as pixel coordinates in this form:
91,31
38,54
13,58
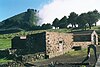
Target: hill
23,21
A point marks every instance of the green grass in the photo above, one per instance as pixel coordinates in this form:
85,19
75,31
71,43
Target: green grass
5,43
78,53
75,53
5,60
64,30
96,27
11,35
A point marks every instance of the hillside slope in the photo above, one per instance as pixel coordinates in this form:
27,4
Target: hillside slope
25,21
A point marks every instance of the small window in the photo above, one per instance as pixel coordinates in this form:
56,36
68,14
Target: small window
60,41
76,48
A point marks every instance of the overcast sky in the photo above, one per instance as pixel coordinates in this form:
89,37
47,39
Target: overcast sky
48,9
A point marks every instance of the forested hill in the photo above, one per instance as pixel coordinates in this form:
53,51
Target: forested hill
23,21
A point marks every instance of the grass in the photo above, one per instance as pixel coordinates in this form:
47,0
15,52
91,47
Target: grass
5,43
96,27
75,53
3,60
79,52
11,35
64,30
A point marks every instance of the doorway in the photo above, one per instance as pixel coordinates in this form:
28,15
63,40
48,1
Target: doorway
94,39
60,46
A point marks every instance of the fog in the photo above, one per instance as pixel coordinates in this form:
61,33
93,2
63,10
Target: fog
59,8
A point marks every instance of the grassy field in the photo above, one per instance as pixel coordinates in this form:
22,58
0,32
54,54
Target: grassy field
64,30
5,43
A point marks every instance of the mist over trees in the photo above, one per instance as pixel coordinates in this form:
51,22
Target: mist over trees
28,21
82,21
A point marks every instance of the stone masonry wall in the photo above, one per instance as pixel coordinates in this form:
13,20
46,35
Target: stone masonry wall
51,43
57,43
82,44
36,42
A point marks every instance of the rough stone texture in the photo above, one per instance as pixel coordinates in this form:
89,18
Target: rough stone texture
57,43
11,64
54,43
32,43
36,42
86,36
30,58
82,44
18,43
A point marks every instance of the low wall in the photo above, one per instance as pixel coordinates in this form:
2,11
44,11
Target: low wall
82,44
56,54
33,57
11,64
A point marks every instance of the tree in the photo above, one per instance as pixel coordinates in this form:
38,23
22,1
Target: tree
63,22
88,18
93,17
55,22
82,20
72,19
96,15
46,26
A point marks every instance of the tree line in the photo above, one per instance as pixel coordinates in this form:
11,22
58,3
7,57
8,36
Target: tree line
28,21
82,21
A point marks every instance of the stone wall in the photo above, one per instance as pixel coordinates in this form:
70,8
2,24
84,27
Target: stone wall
82,44
18,43
4,53
32,43
52,43
36,42
11,64
57,43
30,58
81,38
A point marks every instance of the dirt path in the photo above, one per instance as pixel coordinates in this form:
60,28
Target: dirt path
74,57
